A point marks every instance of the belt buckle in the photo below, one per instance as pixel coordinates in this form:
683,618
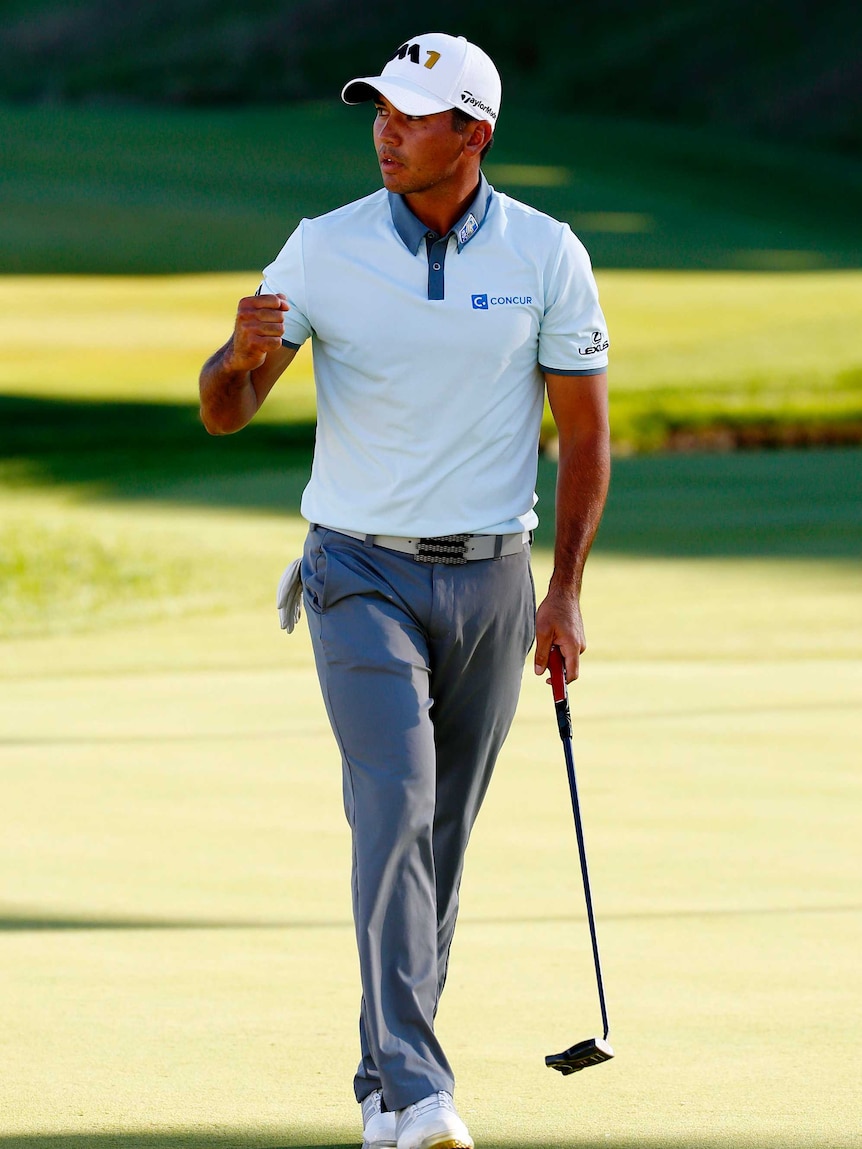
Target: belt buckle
448,549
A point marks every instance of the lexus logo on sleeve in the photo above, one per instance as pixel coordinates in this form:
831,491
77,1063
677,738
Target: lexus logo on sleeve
599,343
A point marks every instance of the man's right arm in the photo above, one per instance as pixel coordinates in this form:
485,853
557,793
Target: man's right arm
239,376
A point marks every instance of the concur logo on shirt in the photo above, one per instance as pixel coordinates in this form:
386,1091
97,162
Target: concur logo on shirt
483,302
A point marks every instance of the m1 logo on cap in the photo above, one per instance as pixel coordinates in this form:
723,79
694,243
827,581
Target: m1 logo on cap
412,51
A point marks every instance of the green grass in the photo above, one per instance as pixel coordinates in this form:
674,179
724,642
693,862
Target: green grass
86,557
177,937
54,577
175,925
791,76
98,190
720,356
108,413
729,271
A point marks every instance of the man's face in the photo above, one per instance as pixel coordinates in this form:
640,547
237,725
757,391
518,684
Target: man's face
417,153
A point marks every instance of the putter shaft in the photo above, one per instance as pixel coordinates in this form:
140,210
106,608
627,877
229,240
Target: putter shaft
594,1050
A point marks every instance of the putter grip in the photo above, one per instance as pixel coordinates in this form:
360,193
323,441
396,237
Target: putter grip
557,669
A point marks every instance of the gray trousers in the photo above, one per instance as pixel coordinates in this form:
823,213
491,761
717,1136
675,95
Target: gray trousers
420,667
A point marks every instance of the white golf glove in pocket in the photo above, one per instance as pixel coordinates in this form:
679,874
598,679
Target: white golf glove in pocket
289,601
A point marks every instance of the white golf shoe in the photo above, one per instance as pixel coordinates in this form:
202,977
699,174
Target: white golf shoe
378,1128
432,1123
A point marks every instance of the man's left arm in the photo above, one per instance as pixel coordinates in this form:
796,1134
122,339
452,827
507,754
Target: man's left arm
579,405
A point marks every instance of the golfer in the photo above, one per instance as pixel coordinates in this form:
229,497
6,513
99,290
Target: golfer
439,310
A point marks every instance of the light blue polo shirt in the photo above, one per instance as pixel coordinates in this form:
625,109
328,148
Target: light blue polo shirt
428,357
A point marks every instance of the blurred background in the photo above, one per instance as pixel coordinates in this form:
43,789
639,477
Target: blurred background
173,852
721,135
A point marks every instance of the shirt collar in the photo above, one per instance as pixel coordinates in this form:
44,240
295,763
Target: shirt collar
412,230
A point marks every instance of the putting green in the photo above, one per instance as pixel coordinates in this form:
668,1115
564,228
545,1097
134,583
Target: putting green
175,923
176,929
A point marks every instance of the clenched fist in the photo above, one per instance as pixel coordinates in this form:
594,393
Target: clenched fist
258,331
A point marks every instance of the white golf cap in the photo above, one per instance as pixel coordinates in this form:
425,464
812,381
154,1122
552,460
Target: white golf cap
431,73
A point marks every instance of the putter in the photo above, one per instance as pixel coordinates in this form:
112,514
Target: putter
595,1049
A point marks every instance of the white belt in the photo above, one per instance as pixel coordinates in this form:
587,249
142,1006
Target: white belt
453,550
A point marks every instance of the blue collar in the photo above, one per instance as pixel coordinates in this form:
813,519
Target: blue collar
412,230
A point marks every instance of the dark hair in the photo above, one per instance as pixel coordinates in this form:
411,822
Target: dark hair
460,121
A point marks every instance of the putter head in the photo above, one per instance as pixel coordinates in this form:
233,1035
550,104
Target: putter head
590,1052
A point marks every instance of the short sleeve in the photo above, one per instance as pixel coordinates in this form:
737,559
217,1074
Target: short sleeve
573,338
286,274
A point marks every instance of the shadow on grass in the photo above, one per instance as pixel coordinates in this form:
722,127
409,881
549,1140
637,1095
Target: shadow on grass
779,504
151,451
43,922
172,1139
788,504
307,1139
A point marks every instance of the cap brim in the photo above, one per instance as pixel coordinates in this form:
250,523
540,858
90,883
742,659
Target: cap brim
403,95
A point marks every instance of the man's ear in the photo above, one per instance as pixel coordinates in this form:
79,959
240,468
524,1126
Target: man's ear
480,134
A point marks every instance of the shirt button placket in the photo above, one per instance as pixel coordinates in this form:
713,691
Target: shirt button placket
436,265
